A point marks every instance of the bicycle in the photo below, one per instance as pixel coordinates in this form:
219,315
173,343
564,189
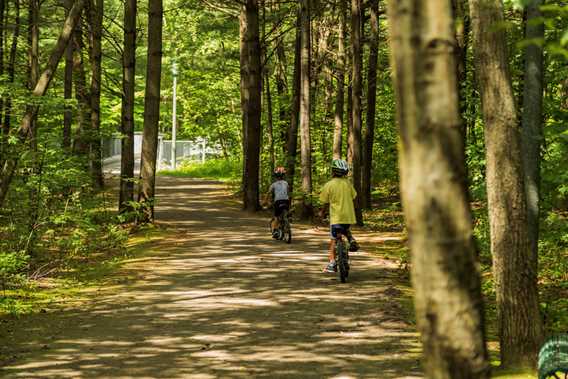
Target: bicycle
342,256
284,230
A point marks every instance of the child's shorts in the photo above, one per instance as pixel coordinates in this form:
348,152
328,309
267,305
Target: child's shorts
339,228
280,206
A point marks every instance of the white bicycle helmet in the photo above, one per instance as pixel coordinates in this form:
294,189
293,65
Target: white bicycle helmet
339,167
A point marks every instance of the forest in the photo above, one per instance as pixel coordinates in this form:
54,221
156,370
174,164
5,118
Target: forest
452,116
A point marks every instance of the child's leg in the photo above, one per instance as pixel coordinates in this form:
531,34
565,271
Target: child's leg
331,250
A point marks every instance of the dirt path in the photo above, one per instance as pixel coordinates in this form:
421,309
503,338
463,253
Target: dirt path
219,299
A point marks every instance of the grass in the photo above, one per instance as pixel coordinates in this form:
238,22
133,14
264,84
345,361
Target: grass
219,169
72,278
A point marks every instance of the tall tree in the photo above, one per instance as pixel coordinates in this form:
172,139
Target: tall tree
146,194
292,143
462,29
305,110
433,187
11,69
357,78
340,74
127,108
3,22
24,131
251,89
532,134
33,61
83,134
514,264
96,12
371,105
68,89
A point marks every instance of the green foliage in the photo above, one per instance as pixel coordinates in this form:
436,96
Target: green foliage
221,169
12,265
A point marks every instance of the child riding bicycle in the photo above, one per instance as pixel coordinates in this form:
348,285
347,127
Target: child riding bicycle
281,201
339,194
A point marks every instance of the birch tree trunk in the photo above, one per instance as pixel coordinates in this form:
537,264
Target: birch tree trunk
514,264
146,194
433,187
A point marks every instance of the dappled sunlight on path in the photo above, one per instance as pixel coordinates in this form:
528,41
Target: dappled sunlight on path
217,298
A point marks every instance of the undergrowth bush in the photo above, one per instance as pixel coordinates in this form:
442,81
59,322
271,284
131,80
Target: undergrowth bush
51,217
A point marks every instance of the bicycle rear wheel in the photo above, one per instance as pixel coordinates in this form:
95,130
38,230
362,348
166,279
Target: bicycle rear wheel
342,261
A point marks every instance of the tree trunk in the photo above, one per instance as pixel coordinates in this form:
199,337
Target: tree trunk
292,145
146,194
340,99
24,131
514,265
532,116
83,135
305,139
371,105
251,106
12,68
3,22
462,29
433,187
33,57
270,123
355,140
68,91
284,109
96,11
349,146
127,108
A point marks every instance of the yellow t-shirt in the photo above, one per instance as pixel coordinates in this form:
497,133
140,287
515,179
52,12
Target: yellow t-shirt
339,193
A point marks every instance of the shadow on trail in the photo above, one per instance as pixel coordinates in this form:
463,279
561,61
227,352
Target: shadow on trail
218,299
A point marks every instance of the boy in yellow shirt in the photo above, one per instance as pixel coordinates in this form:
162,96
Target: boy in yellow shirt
339,194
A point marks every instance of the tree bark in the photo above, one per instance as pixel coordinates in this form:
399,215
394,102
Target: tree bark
83,136
33,61
146,194
251,73
3,22
68,90
284,109
24,131
433,187
96,11
514,265
341,67
462,29
127,108
305,139
292,145
11,69
355,136
532,116
371,106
